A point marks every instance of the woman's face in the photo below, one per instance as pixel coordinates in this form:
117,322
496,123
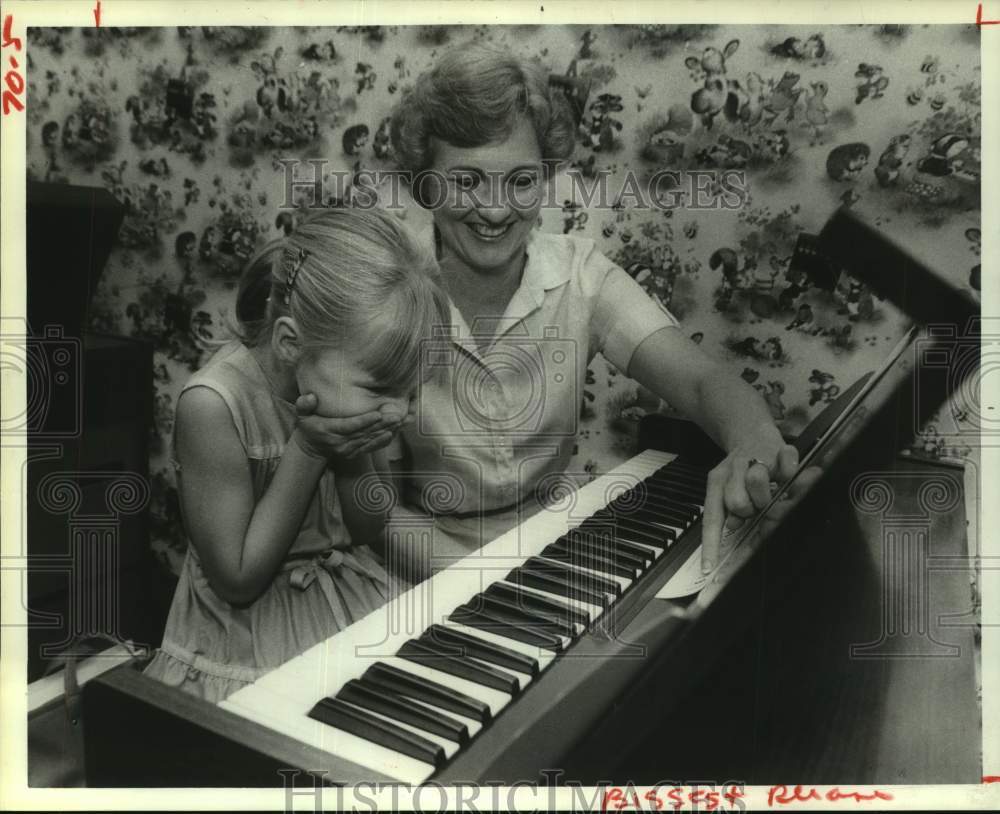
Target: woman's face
490,197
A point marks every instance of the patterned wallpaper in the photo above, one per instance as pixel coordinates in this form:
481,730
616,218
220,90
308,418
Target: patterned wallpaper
186,127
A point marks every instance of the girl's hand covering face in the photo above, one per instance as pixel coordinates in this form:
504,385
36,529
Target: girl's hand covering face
347,437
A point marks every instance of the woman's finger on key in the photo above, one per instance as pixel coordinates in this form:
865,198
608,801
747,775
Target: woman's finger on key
758,484
737,498
713,519
788,462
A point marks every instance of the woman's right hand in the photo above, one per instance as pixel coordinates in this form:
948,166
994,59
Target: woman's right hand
342,438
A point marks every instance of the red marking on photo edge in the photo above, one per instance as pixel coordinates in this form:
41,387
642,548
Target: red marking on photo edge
8,39
979,17
991,778
97,14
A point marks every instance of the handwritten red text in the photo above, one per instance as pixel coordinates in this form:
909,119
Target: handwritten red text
783,795
12,79
666,798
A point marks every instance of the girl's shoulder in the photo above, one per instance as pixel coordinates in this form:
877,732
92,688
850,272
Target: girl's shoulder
231,368
234,374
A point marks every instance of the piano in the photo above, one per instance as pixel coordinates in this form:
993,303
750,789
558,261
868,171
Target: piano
547,649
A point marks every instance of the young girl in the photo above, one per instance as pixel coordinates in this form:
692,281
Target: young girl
279,557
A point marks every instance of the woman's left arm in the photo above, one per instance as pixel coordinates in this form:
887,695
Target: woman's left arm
733,414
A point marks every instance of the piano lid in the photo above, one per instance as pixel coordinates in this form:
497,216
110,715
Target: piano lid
924,269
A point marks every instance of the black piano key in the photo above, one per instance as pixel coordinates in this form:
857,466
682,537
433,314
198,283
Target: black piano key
422,689
540,604
677,489
334,712
677,511
429,655
680,468
696,477
642,553
546,582
652,517
607,545
681,472
535,620
670,494
580,554
487,620
685,513
681,465
628,504
633,529
461,643
678,480
650,535
591,582
378,699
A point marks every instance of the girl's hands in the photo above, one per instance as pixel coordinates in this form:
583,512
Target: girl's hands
740,486
343,438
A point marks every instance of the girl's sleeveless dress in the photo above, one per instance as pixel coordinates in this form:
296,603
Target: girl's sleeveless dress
212,648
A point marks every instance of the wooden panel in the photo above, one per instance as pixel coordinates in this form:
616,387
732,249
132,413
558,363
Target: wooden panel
792,702
140,732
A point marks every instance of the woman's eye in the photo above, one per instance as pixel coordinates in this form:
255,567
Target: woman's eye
524,181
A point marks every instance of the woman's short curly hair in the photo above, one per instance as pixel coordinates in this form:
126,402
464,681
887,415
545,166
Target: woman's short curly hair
473,96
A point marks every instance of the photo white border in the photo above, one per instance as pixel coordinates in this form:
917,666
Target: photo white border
13,691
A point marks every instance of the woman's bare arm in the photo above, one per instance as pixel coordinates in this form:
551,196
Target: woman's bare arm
732,413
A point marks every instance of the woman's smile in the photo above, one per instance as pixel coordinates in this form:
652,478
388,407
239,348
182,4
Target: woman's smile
488,233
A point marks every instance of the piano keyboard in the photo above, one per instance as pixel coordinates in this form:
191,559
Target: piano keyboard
407,687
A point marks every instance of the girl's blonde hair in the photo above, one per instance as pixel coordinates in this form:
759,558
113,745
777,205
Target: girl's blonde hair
348,275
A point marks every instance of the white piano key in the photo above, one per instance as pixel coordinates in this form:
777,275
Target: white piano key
541,655
593,612
494,699
609,596
310,676
624,582
471,724
656,552
564,641
524,679
293,677
678,530
278,713
449,746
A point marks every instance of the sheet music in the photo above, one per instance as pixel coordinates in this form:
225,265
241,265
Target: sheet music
689,579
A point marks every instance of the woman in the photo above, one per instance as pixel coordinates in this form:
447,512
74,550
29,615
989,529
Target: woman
480,133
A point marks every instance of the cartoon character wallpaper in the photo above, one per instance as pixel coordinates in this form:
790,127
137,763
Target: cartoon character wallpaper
188,128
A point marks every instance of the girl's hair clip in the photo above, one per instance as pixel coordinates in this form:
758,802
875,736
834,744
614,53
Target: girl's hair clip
293,273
